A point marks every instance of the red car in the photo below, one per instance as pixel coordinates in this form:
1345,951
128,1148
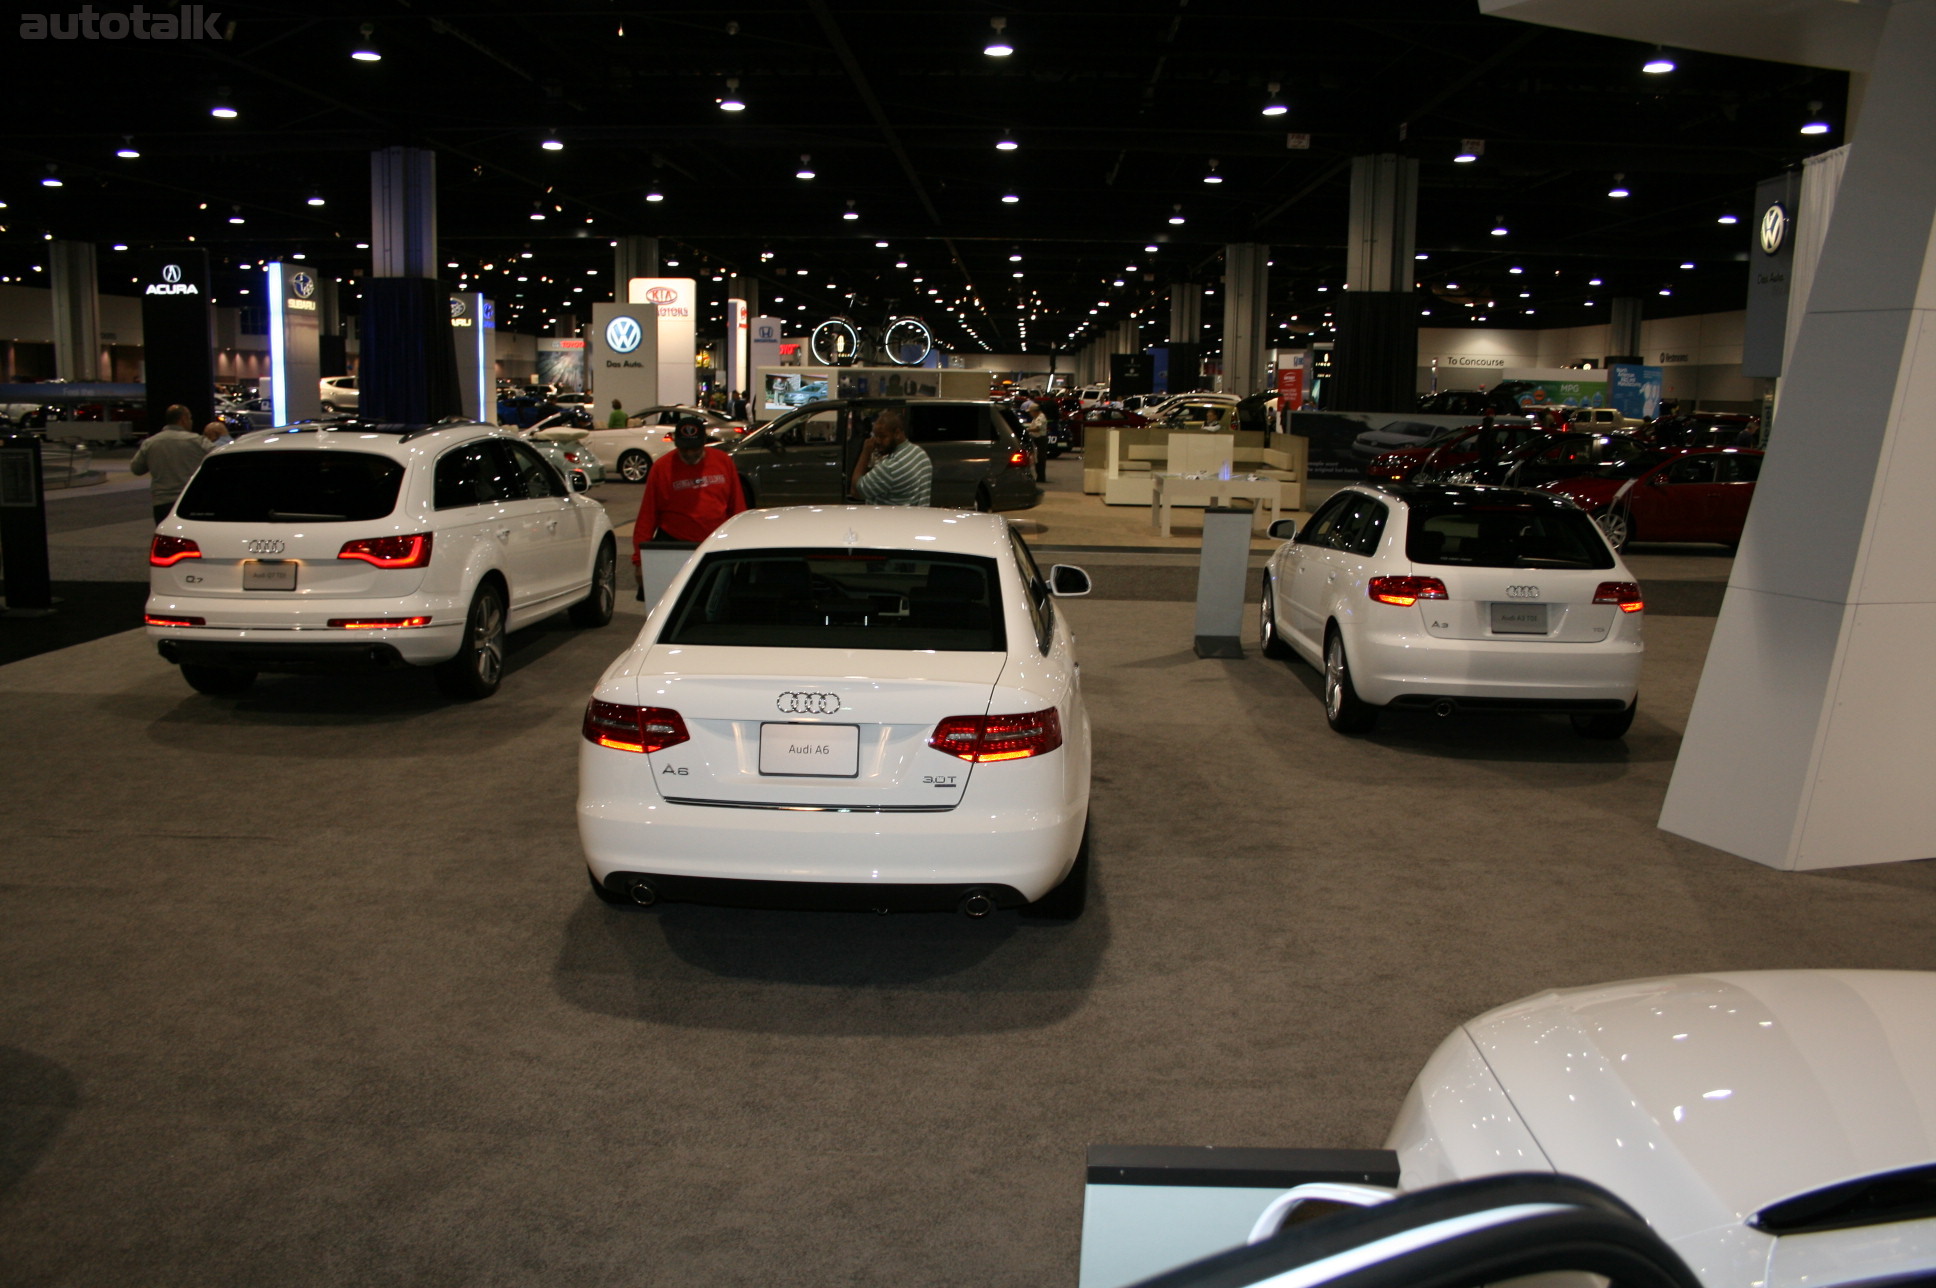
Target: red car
1448,451
1701,494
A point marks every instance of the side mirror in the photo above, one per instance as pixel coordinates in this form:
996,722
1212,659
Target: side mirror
1066,581
1283,530
580,481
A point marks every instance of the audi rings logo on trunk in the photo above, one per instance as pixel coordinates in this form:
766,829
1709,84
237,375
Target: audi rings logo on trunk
270,547
1522,592
662,295
622,334
808,704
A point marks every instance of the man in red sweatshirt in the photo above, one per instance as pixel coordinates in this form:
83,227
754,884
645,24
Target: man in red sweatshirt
688,493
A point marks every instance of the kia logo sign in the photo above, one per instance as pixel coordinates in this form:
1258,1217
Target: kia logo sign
808,704
171,273
662,295
622,335
303,284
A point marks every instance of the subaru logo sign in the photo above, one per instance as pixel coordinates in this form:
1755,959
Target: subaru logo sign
456,306
303,285
622,335
171,273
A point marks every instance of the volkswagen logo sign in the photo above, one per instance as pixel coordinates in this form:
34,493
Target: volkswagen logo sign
1522,592
808,704
303,285
171,273
1774,227
265,547
457,306
622,334
662,295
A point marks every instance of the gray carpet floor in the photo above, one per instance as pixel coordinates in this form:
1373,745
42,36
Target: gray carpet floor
307,987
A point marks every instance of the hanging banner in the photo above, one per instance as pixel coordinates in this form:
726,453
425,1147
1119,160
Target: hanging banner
295,367
676,299
1634,390
1293,374
738,339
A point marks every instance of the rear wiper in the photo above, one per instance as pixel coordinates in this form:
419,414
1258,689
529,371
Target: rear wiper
280,516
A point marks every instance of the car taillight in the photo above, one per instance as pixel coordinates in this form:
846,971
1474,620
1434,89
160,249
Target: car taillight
1406,591
627,728
153,620
1624,593
1018,458
390,552
375,623
165,552
980,738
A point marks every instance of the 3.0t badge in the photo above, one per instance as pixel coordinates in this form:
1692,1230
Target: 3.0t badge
808,704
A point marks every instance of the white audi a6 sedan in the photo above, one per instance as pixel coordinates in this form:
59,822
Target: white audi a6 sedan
366,546
846,706
1447,598
1776,1128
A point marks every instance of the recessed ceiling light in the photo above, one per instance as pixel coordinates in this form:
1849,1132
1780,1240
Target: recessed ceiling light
998,46
1659,65
1727,219
730,101
806,167
1009,199
1274,103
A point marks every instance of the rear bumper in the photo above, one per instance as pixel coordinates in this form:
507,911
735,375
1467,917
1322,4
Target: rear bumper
290,659
820,896
1415,670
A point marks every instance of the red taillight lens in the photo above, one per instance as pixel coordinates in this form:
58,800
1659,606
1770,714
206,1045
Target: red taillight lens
1406,591
375,623
390,552
153,620
1018,459
626,728
1624,593
980,738
165,552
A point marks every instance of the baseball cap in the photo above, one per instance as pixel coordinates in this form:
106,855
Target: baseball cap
689,433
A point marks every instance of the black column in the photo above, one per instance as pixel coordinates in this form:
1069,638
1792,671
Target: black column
177,334
1376,361
409,369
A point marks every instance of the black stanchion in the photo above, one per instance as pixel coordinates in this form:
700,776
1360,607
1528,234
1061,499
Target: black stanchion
23,526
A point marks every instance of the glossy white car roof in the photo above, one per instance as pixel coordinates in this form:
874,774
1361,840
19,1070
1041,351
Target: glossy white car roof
876,527
395,446
1704,1098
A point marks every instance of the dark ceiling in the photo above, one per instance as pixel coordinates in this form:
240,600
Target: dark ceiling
1118,111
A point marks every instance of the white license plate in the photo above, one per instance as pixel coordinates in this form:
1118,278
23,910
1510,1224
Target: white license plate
268,574
1519,619
810,750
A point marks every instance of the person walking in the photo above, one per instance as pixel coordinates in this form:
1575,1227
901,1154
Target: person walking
686,495
891,470
1038,434
171,458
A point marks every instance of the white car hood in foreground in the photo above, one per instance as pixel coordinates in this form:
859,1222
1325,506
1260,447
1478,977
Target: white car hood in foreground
1702,1099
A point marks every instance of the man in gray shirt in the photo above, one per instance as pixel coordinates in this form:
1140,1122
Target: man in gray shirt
173,456
891,470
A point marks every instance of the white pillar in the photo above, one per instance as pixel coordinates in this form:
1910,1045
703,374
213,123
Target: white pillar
1810,739
1246,292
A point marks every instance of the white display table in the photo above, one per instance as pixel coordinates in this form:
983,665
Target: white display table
1167,490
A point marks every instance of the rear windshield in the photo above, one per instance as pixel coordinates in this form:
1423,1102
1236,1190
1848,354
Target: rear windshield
890,599
942,423
1503,534
292,487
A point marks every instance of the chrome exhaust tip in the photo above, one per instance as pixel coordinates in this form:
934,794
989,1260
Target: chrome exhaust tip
976,904
1444,707
644,893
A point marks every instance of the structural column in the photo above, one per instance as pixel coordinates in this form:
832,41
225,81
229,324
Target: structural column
408,369
1186,313
1623,331
634,256
1809,742
77,321
1246,294
1377,353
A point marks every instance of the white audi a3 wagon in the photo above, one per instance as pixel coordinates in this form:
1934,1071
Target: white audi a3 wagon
362,546
846,707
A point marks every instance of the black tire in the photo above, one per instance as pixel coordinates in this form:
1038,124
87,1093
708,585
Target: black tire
1269,641
217,681
634,465
1619,527
478,668
328,408
1344,710
1606,725
604,895
595,609
984,499
1067,900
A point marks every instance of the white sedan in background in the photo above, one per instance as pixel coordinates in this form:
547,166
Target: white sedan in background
1444,598
632,450
1776,1128
852,706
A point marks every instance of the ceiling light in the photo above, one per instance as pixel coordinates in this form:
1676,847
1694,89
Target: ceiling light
236,218
1213,176
537,212
1594,281
1274,103
1688,264
51,180
1450,286
1499,228
851,213
127,150
1815,124
900,263
1177,216
998,46
1469,150
365,50
1728,219
316,199
730,101
552,143
1149,250
655,196
1007,142
1666,290
1619,188
222,111
1015,258
806,167
1659,65
1009,198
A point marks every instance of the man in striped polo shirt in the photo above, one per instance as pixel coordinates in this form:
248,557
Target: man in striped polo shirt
891,470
